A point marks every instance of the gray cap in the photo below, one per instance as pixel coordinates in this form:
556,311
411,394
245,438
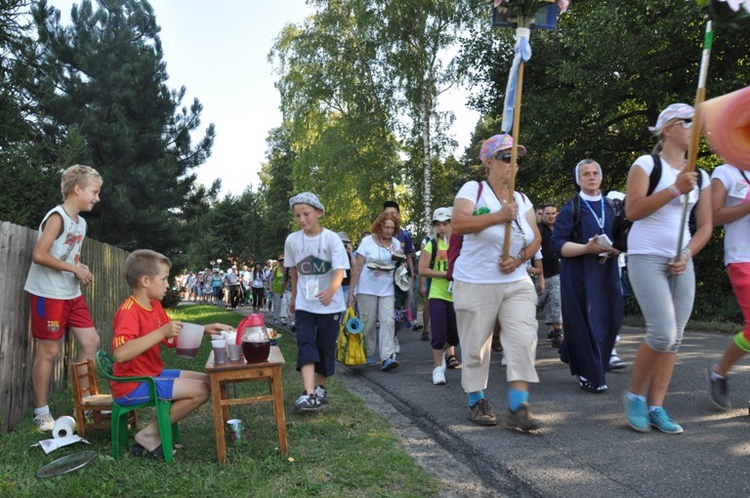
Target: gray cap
307,198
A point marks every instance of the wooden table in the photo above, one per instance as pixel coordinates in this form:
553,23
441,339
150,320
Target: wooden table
241,371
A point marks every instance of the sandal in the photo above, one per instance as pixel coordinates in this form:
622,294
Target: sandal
452,362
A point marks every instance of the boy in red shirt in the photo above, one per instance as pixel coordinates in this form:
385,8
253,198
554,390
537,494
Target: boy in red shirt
140,325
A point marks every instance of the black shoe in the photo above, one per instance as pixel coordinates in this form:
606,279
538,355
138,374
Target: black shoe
425,336
417,326
589,387
497,346
557,339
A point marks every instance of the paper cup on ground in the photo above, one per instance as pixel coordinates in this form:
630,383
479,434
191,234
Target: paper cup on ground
220,351
189,340
234,431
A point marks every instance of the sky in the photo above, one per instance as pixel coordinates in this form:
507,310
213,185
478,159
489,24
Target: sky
219,52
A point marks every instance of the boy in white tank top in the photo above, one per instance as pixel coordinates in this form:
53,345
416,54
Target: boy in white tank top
54,282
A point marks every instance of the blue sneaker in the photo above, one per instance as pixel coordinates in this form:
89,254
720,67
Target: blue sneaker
637,413
659,419
388,364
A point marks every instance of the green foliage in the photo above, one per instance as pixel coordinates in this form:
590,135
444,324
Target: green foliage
102,100
592,88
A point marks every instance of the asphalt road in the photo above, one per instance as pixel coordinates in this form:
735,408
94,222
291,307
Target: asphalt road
585,447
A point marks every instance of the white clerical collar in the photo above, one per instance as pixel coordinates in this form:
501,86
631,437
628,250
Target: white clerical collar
588,197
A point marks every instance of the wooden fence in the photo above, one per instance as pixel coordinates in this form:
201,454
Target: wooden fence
107,290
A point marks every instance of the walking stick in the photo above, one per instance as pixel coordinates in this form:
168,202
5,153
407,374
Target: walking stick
514,155
700,96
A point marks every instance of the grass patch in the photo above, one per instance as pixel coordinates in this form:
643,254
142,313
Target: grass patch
347,450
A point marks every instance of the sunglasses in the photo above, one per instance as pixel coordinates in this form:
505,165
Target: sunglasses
505,157
686,123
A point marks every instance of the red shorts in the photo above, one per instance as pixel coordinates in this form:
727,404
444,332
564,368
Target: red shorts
50,317
739,275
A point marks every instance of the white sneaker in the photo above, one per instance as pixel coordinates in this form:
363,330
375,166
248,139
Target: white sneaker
438,376
503,362
396,345
44,422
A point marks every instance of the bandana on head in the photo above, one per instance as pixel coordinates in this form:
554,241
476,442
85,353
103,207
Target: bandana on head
307,198
674,111
495,144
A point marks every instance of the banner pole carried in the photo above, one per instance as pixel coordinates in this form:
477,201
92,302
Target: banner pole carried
695,134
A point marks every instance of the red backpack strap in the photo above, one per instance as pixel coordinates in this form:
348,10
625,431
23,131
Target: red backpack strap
456,241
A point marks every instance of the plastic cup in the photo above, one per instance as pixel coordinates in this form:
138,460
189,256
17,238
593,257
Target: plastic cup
235,351
234,431
220,351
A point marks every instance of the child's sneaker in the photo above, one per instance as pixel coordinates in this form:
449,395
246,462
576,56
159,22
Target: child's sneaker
307,403
718,389
322,395
388,364
658,418
45,422
438,376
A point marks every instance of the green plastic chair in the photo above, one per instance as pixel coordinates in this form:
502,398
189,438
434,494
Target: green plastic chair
168,432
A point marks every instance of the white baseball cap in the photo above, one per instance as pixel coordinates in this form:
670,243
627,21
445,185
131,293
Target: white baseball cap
442,214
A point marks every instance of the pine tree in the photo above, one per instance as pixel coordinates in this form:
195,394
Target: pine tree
104,78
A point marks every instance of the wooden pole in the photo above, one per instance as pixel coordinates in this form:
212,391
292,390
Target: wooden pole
514,154
695,135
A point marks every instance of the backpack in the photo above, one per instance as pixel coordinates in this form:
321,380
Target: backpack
433,253
622,225
456,241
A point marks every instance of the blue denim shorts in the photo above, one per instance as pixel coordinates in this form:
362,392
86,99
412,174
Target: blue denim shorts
164,386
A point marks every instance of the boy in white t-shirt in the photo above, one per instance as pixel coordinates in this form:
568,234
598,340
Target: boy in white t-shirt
317,259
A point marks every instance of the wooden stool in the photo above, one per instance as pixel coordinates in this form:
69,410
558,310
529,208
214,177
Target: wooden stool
88,400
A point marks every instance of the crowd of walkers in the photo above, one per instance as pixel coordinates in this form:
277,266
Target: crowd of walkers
489,266
564,267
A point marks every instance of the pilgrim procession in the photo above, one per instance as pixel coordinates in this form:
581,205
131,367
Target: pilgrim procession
551,300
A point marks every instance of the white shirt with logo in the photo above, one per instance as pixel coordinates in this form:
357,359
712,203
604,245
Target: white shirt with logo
377,282
46,282
315,259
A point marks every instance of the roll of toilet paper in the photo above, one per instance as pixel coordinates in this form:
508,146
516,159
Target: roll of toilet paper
64,426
